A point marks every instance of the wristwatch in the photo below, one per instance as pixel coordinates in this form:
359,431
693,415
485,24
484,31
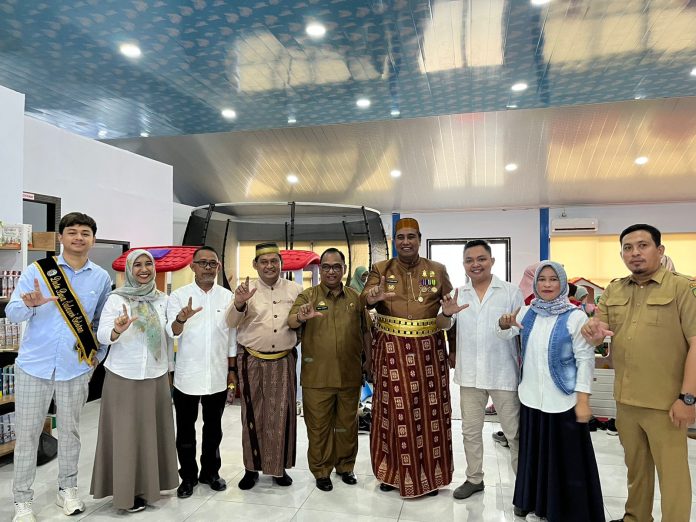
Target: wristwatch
688,399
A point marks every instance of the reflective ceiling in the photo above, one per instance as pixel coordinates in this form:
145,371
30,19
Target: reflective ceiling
409,58
563,156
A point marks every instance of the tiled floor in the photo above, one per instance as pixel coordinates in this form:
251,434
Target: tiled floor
302,502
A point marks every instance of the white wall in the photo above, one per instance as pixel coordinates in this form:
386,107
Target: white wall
521,226
129,196
667,217
181,216
11,157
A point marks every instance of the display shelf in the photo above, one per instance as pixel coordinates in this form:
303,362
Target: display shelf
7,399
7,448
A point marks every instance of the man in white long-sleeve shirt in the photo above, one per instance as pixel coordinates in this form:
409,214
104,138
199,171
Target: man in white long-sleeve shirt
484,364
205,366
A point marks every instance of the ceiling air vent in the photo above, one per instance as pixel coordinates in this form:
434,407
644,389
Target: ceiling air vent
574,225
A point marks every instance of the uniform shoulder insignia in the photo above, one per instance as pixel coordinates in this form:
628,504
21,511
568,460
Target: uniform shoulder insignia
616,279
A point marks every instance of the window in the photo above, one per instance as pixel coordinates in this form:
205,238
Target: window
450,252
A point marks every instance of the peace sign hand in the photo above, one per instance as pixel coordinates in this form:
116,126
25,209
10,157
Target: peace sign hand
507,321
307,312
36,298
122,322
187,311
595,331
242,293
450,304
377,293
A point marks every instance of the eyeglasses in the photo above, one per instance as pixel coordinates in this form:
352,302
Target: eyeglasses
329,268
207,264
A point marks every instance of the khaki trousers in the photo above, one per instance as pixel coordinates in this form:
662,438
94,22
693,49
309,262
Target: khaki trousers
473,403
331,417
651,441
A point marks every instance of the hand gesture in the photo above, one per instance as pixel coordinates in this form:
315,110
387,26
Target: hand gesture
307,312
122,322
188,311
377,293
93,361
36,298
507,321
594,331
242,293
681,414
450,304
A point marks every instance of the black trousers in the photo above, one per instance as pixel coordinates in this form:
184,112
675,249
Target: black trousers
186,416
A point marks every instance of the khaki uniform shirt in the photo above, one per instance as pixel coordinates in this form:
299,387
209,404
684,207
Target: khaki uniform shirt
263,324
419,288
332,344
652,323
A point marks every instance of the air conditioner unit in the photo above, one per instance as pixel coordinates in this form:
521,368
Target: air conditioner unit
574,225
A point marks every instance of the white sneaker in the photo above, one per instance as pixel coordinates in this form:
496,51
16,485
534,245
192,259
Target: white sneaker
23,512
67,499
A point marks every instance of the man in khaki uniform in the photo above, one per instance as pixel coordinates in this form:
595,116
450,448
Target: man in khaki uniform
651,315
333,324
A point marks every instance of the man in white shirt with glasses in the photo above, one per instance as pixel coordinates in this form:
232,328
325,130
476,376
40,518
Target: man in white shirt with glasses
205,366
485,365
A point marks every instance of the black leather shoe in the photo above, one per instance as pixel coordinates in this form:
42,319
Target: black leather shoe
249,480
185,489
348,477
215,483
285,480
618,520
324,484
386,487
433,493
519,512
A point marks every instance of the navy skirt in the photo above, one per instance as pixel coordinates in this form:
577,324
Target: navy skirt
557,475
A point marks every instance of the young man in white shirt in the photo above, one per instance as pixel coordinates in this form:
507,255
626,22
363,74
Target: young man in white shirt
484,364
205,366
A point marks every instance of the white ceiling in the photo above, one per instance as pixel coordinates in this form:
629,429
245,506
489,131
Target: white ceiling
565,156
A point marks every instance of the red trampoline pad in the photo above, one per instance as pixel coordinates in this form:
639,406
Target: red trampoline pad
167,258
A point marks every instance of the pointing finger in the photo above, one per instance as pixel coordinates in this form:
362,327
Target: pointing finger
37,288
190,303
125,311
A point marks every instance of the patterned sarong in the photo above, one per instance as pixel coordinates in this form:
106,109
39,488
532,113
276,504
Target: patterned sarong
411,436
269,421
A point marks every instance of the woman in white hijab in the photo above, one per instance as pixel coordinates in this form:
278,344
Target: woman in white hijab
136,451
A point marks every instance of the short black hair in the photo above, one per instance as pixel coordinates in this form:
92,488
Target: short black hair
478,242
77,218
654,233
205,248
332,251
572,288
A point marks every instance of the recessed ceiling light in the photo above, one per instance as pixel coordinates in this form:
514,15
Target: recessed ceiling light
693,71
511,167
144,134
519,86
511,106
363,103
539,2
292,178
395,112
230,114
102,133
130,50
291,120
396,173
641,160
315,30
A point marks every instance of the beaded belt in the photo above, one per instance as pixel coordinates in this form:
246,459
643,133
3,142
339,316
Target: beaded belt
267,356
405,327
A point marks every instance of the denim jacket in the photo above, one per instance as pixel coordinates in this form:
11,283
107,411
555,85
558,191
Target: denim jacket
562,364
